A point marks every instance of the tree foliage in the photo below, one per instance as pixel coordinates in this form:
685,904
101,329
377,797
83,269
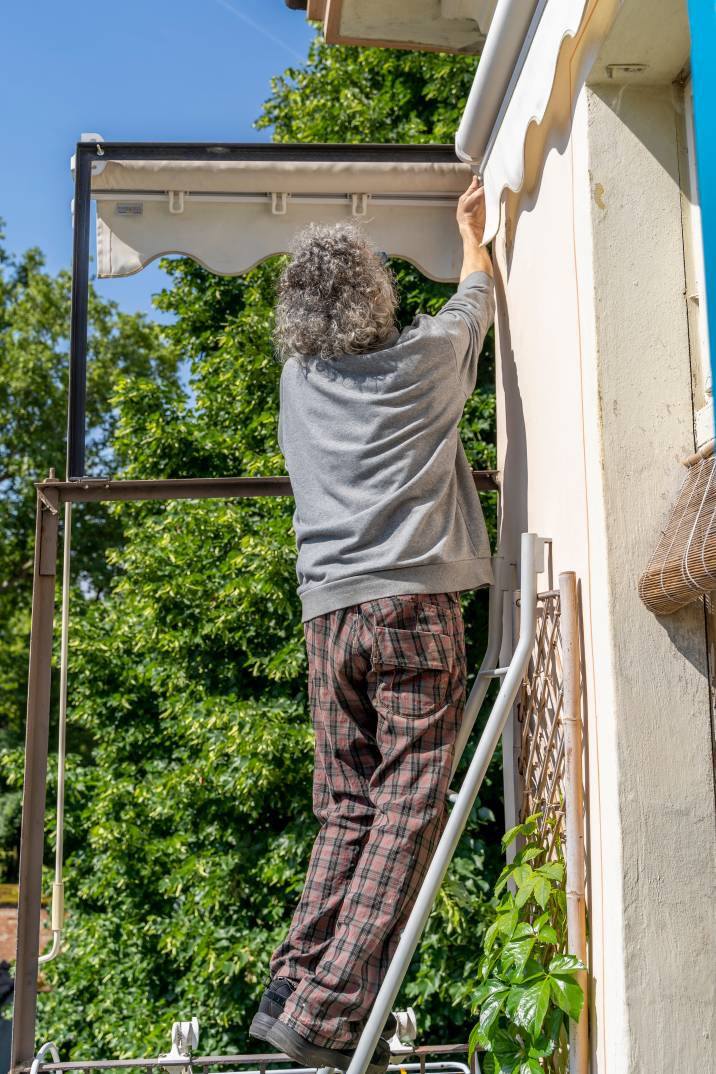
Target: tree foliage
34,321
189,782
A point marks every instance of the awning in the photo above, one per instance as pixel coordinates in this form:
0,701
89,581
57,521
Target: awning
543,80
232,212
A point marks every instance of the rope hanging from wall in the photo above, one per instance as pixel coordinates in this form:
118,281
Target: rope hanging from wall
683,566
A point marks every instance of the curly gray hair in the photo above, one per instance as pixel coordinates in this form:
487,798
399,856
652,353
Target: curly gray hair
335,295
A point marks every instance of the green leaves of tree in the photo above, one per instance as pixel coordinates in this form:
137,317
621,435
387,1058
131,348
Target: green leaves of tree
34,325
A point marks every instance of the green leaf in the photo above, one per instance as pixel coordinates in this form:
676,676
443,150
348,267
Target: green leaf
532,971
567,995
473,1042
488,989
529,853
531,1006
530,1066
546,934
521,874
517,953
541,891
524,893
489,1064
490,1009
507,923
516,871
526,829
491,936
507,1051
565,964
553,870
545,1044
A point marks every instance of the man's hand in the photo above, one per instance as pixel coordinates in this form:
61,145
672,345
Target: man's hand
471,223
471,212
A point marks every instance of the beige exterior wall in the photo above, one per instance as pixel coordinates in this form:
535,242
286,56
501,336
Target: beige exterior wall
594,414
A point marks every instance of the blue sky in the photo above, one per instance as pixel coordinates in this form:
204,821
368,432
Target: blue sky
139,70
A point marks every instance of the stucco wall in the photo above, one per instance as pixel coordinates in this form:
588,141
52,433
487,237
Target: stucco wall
594,414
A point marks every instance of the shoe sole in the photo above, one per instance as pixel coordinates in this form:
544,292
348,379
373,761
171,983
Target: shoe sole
261,1026
313,1055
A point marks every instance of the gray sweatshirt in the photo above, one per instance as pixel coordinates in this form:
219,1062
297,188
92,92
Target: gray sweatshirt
384,496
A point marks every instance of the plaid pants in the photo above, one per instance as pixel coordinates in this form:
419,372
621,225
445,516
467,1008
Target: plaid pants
387,692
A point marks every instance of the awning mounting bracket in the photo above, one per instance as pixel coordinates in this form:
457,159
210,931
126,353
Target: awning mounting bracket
359,204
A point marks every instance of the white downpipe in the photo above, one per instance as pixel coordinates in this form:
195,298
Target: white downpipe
532,564
488,665
503,45
57,914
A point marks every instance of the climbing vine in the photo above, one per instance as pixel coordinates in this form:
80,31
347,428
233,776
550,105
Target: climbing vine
528,989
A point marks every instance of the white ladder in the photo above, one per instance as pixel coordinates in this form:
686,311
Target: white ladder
531,564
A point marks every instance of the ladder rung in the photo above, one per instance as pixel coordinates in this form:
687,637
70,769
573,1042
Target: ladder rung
494,673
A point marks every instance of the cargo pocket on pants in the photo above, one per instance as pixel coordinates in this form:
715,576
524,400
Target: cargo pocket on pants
413,669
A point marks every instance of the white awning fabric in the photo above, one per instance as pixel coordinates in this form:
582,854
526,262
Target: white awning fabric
554,63
230,215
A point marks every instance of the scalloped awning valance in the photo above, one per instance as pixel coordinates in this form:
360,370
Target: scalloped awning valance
234,211
540,83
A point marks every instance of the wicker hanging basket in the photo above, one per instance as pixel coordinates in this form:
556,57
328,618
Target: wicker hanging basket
683,566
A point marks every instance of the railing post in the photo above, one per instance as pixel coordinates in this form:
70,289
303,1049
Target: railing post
33,796
574,809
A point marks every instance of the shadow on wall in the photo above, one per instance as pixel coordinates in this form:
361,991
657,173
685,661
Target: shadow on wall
576,59
515,469
686,630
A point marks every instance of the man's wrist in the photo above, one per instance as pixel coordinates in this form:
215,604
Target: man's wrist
470,238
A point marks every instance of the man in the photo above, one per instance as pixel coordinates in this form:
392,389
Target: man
389,530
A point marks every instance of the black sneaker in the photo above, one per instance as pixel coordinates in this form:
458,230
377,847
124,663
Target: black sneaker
274,1000
303,1051
271,1006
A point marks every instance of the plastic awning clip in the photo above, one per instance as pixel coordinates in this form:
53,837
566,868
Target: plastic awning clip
176,201
359,204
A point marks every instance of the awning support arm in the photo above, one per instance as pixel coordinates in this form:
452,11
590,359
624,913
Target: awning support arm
77,394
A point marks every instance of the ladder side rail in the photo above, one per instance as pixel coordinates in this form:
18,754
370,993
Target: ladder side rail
532,564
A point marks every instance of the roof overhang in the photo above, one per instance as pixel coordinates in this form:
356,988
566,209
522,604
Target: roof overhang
433,25
231,206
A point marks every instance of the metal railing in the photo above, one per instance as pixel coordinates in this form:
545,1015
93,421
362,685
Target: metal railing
52,496
414,1062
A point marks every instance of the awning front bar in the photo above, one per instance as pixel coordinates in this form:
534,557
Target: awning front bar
321,152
